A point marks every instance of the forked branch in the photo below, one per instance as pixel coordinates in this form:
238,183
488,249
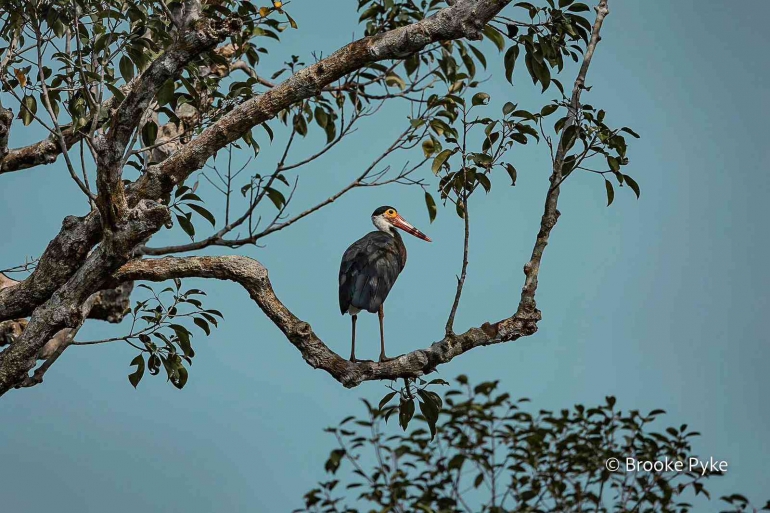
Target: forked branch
253,277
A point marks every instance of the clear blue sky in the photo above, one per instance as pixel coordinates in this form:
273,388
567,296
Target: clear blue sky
661,302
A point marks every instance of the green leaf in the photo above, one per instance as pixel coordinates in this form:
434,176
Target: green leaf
632,183
510,62
479,55
429,408
149,133
208,216
484,181
153,364
480,99
321,117
416,123
548,110
190,196
431,204
456,462
58,28
512,173
385,400
629,131
300,125
394,80
181,377
268,130
29,108
276,197
126,68
184,339
495,36
331,131
166,92
428,147
440,159
186,225
542,72
460,210
564,3
405,413
335,458
613,163
569,137
508,108
411,63
610,192
429,411
116,92
135,377
202,324
579,7
180,191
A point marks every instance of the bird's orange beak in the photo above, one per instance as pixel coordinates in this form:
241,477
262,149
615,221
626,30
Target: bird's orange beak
400,222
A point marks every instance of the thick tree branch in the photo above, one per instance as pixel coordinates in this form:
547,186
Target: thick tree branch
46,151
67,307
64,254
6,118
254,278
199,35
64,309
466,18
551,213
68,249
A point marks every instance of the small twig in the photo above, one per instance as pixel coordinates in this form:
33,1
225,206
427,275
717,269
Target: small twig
449,328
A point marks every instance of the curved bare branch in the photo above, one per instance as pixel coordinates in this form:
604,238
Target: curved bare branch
252,276
463,19
78,280
68,249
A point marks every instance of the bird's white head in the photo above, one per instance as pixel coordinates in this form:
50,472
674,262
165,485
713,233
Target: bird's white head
387,219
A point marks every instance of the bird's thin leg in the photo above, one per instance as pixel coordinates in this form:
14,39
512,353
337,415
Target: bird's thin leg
353,342
381,315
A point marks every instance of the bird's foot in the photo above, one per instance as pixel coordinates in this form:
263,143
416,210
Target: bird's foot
353,359
384,358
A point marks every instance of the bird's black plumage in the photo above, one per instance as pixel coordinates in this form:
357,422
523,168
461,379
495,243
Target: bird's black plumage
369,269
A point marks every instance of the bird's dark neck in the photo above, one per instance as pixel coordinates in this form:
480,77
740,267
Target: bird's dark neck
400,244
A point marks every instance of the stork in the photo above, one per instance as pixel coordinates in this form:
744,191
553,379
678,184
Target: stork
370,267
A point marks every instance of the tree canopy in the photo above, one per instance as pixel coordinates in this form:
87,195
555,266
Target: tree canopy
143,100
489,452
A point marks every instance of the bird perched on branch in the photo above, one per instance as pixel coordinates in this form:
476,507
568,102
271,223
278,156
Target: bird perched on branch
370,267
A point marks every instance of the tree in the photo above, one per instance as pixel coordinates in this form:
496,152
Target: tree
491,454
143,99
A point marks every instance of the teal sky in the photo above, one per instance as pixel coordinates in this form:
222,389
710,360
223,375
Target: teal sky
661,302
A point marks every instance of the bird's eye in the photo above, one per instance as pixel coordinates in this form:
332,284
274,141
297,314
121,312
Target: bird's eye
391,212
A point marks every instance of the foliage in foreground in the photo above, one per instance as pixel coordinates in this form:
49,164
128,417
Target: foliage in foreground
491,454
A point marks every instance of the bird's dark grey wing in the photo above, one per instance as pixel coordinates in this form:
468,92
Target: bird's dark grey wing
368,271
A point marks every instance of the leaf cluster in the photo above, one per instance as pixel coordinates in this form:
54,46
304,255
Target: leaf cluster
164,341
490,453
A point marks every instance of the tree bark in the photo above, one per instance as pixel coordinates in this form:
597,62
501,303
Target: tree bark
253,277
69,273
